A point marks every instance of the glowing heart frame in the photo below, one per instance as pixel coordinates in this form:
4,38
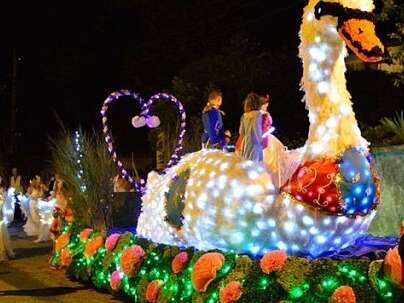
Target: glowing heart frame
145,107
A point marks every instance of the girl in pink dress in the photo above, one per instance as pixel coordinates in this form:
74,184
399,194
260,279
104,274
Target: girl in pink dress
266,122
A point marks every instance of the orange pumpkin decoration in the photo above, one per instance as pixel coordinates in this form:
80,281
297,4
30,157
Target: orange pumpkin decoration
205,270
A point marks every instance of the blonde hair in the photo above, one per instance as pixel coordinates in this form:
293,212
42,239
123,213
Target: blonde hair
252,102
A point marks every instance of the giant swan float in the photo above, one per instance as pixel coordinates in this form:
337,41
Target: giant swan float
215,200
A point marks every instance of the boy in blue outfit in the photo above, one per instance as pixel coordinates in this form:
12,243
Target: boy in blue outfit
213,134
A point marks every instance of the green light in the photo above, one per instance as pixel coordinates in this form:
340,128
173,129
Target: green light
382,284
329,284
296,292
264,282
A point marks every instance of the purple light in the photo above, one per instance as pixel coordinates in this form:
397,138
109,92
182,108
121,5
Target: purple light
145,106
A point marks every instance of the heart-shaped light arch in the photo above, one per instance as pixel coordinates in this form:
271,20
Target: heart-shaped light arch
145,106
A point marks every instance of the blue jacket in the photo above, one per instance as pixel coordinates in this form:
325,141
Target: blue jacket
213,127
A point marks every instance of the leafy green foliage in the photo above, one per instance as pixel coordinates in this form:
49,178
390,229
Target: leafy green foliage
64,163
94,205
395,125
99,171
393,13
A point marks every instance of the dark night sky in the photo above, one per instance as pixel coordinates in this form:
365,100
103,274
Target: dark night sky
73,55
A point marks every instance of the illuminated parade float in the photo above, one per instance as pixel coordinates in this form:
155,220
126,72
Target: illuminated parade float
218,228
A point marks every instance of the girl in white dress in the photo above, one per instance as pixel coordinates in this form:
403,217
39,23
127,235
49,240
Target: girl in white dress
6,251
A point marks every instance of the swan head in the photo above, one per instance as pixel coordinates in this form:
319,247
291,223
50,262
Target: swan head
356,27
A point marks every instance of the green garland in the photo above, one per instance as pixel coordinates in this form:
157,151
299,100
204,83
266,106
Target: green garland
300,279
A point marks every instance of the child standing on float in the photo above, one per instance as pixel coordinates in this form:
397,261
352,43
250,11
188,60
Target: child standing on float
255,122
213,133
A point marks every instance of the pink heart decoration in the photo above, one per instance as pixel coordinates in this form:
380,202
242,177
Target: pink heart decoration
145,119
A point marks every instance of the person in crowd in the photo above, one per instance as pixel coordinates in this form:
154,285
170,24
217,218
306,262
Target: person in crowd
6,251
15,181
266,122
121,185
52,182
60,193
2,189
213,134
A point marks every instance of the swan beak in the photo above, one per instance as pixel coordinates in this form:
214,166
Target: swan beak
360,36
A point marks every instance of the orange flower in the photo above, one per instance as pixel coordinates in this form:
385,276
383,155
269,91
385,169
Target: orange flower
65,258
179,262
153,290
205,269
93,246
273,261
343,294
393,267
85,234
131,258
62,241
231,293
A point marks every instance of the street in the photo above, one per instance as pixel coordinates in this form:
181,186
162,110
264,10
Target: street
27,278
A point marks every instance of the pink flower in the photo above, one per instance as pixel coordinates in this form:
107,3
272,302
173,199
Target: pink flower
273,261
111,241
230,293
343,294
138,121
85,234
205,270
65,258
153,290
179,262
115,281
394,267
131,258
152,121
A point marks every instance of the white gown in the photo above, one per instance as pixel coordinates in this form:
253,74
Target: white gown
281,163
9,206
31,227
45,209
5,247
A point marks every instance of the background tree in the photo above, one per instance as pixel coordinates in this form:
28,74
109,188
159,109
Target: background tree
94,205
392,14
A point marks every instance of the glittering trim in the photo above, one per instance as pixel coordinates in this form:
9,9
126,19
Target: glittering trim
311,207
